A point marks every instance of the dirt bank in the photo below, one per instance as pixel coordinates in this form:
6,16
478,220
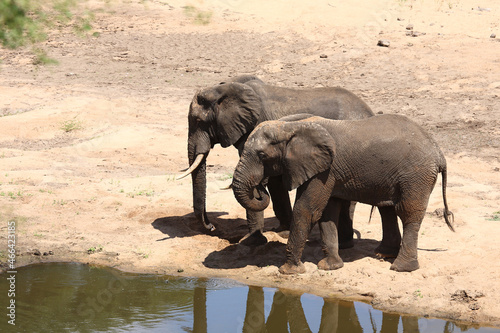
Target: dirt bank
89,148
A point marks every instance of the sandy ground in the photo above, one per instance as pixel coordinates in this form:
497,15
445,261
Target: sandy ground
104,192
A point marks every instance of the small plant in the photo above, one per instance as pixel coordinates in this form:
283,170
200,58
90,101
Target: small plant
146,193
59,202
495,216
41,58
94,249
37,234
198,16
418,294
71,125
12,195
226,176
170,178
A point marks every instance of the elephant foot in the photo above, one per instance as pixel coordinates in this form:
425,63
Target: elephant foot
253,239
382,251
288,269
401,265
346,244
330,263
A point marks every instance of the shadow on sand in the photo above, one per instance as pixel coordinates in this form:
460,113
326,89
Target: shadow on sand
228,229
237,255
273,253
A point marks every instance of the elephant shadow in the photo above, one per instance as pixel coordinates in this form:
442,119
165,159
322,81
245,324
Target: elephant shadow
273,253
230,229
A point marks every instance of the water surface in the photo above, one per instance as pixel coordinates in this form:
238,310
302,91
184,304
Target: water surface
62,297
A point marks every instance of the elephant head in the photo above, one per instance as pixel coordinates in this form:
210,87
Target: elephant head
223,114
296,150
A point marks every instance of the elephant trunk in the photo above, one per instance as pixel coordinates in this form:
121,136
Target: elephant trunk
199,183
247,187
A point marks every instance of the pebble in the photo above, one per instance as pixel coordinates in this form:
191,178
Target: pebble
384,43
409,27
493,36
323,56
414,33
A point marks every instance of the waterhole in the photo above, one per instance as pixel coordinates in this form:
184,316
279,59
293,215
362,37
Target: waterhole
69,297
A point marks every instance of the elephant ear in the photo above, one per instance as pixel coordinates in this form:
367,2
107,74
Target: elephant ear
237,112
309,151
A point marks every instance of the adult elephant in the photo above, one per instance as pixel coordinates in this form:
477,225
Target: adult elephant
386,161
227,113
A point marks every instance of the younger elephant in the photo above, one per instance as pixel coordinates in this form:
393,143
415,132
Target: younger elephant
386,161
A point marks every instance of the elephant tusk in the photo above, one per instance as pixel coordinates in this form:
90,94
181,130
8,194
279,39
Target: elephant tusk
227,187
193,166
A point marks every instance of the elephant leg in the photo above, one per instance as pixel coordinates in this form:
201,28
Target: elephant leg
345,229
391,236
310,202
255,222
299,231
296,316
281,202
407,259
329,316
255,318
329,239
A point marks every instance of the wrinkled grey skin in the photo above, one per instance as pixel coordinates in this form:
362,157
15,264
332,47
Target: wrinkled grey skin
386,161
227,113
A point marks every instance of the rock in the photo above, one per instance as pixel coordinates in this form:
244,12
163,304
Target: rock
493,36
412,33
384,43
409,27
37,253
323,56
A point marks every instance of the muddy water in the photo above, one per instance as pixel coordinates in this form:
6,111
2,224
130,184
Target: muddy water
62,297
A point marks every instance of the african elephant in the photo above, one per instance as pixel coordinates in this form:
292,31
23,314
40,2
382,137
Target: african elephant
386,161
228,112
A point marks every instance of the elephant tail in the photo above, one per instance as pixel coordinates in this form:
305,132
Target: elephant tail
447,213
371,214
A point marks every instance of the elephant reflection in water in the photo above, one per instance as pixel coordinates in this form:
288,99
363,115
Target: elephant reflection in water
287,315
390,323
336,316
287,312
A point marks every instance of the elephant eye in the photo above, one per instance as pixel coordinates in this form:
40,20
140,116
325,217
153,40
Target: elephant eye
261,155
204,102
